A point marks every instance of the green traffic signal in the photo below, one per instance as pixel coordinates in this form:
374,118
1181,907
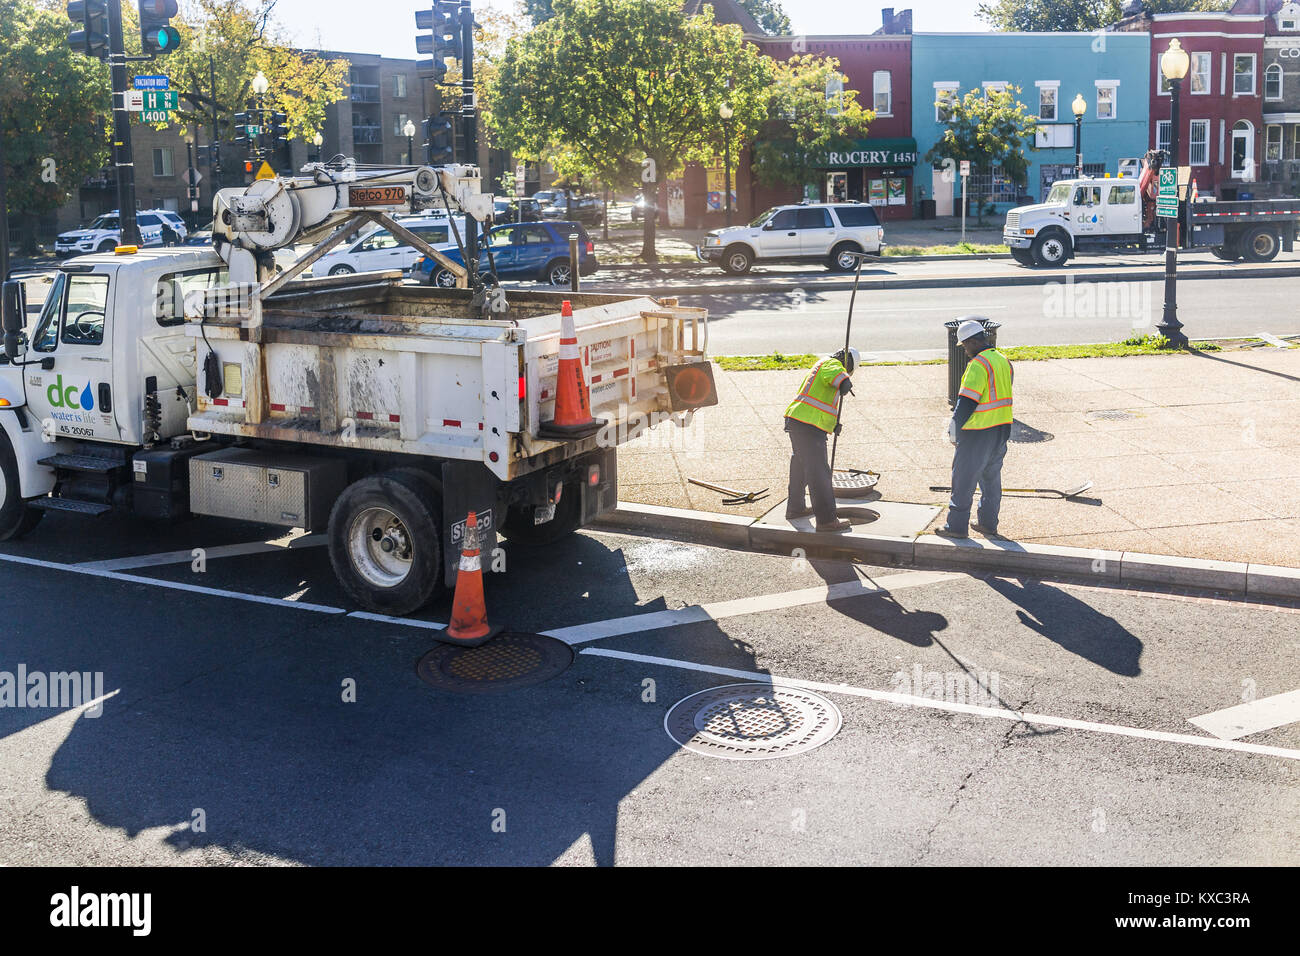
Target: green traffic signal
157,36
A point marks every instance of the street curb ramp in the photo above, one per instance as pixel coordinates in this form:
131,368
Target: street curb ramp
974,554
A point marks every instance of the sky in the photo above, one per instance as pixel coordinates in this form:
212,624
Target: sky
387,27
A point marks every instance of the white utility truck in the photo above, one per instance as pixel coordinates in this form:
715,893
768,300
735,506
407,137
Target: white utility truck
1105,215
171,382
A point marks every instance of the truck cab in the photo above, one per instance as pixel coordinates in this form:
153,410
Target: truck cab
1079,215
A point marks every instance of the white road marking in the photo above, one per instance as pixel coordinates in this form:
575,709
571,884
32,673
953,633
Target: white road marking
654,620
404,621
975,710
1251,718
219,551
171,585
856,311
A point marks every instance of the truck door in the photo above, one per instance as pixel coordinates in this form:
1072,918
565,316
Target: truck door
1123,213
1086,211
75,398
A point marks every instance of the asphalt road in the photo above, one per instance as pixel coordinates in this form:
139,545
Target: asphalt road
226,705
1056,314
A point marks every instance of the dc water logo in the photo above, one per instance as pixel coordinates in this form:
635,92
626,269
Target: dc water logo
61,397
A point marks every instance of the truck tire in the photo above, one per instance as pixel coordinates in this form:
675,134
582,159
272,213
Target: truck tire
1228,253
1023,256
519,526
17,517
842,259
1051,249
385,542
737,260
1261,244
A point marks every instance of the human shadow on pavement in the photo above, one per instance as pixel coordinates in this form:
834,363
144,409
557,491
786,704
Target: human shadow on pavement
236,715
1073,624
880,612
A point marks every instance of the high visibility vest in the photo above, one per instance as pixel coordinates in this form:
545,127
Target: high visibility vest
987,381
819,395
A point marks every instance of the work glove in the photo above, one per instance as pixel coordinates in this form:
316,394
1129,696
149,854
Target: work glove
838,428
951,434
846,387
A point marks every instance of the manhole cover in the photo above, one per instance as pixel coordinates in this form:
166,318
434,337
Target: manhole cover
1110,415
1027,434
851,485
752,721
508,661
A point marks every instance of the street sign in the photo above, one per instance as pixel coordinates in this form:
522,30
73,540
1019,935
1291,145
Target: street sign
254,130
134,100
1167,198
154,116
265,172
519,180
150,82
965,167
161,100
193,177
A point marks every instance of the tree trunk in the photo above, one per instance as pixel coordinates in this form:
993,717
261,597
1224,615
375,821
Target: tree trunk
29,234
604,215
650,217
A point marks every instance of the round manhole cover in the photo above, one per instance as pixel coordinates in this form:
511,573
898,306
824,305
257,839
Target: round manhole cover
854,484
752,721
1027,434
508,661
1110,415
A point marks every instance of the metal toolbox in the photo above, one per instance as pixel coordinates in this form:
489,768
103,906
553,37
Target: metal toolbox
292,490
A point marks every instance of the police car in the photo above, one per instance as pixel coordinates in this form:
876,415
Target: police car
104,233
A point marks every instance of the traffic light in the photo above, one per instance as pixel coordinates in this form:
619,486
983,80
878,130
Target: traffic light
279,128
157,35
241,127
443,21
92,38
439,141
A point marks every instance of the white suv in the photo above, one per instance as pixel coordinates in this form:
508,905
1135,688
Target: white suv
103,234
379,249
809,232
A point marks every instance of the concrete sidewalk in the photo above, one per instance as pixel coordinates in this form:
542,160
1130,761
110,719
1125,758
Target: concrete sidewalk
1189,455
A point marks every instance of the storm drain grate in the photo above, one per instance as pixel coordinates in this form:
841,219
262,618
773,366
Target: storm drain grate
508,661
1110,415
752,721
1027,434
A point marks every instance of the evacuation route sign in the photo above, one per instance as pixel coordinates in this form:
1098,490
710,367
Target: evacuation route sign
1167,198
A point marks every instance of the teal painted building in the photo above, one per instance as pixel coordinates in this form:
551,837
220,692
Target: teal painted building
1110,70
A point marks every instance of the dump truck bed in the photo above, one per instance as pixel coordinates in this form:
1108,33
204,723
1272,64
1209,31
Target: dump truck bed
366,362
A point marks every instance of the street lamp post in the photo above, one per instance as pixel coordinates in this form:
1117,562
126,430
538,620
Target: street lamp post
260,86
1080,106
318,141
1173,65
726,113
409,130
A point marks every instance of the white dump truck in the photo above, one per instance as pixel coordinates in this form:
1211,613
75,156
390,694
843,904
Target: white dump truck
171,382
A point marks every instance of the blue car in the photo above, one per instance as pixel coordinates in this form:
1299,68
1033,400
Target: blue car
529,250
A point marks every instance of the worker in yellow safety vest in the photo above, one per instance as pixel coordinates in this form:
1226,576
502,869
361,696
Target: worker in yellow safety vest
814,414
979,427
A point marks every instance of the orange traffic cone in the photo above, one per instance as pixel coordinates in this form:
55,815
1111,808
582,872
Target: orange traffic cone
572,400
469,626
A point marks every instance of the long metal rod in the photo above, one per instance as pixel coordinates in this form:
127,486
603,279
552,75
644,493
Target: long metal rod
848,328
123,161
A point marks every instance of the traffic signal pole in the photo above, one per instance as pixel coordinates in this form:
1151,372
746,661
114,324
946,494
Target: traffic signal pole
471,123
123,164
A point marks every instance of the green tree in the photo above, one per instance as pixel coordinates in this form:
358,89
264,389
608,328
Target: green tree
1038,16
809,112
606,85
769,15
989,129
54,109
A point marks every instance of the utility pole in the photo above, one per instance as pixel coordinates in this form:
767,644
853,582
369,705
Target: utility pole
214,163
123,161
4,214
470,122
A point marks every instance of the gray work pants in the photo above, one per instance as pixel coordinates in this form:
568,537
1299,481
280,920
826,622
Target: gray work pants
810,471
978,461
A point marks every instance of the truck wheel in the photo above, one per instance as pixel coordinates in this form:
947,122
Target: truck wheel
519,526
842,258
385,543
1226,253
17,517
1023,256
1051,250
1261,244
737,260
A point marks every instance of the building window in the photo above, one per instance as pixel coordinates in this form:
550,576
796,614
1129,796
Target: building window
1047,103
1243,74
883,98
1288,17
994,86
1295,142
399,121
162,161
399,86
1199,74
1106,96
1198,143
1273,82
1162,134
1272,142
834,94
944,94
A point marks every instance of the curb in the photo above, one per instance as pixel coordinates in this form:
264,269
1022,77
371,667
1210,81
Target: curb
682,266
1115,567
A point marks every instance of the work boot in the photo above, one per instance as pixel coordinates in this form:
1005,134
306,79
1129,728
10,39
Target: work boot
987,532
838,526
946,532
798,513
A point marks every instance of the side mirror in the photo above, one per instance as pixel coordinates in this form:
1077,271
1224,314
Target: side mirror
14,316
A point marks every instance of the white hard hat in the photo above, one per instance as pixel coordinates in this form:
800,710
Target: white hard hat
853,361
968,329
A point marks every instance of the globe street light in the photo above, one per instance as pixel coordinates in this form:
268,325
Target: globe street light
409,130
260,84
1080,106
318,140
725,112
1173,66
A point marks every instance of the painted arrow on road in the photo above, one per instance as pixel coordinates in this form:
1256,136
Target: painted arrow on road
1232,723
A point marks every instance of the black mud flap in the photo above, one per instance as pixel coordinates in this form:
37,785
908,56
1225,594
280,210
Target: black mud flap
602,497
468,486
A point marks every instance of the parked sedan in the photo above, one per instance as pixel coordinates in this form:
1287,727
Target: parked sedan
585,209
538,251
516,210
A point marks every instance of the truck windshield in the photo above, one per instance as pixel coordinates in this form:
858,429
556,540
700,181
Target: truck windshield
1060,193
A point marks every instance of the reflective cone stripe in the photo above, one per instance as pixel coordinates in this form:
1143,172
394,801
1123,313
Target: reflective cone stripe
468,609
572,398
